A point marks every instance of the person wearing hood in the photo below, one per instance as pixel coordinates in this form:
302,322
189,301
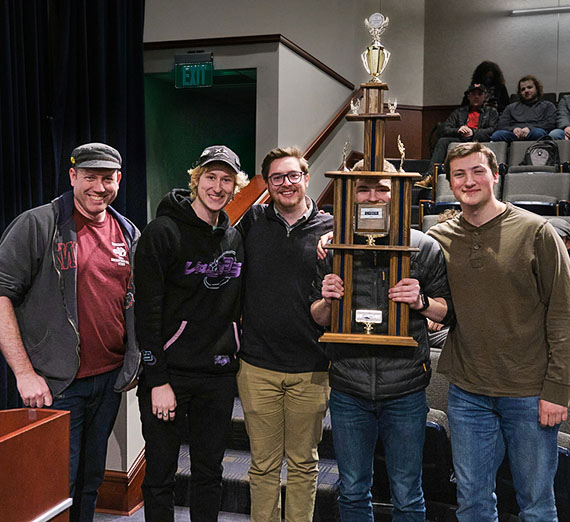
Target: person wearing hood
188,283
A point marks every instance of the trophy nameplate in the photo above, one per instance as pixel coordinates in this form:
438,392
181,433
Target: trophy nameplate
372,218
368,318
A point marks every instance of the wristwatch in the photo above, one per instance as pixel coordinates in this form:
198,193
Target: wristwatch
425,302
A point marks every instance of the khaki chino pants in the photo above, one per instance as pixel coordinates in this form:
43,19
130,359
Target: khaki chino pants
283,416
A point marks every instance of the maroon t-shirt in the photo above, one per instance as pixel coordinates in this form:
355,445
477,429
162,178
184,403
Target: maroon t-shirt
103,273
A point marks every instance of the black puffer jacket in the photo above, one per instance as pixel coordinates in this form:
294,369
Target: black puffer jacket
383,372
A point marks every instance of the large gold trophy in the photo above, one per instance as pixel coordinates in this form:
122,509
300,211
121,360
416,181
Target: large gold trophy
372,220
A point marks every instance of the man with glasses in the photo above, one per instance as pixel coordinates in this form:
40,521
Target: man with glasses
282,378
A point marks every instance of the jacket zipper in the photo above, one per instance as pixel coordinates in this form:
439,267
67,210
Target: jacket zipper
61,289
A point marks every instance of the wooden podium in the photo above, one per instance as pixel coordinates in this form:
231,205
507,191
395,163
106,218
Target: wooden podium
34,463
398,246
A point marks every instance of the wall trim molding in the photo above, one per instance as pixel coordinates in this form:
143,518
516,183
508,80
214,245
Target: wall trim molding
120,493
249,40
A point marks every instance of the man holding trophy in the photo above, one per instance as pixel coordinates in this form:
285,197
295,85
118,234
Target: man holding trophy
379,391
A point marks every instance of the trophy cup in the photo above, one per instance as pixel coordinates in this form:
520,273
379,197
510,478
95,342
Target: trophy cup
376,57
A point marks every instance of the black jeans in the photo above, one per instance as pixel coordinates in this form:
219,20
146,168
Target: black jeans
205,403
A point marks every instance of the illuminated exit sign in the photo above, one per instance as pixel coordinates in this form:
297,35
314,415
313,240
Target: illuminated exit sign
193,75
194,69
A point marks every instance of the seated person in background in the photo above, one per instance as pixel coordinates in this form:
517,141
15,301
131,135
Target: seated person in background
490,75
562,228
473,122
562,120
528,119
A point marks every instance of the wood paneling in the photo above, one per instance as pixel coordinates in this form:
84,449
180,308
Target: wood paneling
120,493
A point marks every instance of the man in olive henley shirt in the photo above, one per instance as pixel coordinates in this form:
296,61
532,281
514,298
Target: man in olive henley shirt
508,356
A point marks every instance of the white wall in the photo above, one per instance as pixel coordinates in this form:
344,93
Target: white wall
461,34
126,441
435,44
324,28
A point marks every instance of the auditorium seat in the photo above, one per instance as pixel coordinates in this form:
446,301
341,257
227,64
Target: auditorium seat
564,151
550,96
429,221
539,192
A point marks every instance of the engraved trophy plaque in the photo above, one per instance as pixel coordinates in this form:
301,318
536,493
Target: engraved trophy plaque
371,220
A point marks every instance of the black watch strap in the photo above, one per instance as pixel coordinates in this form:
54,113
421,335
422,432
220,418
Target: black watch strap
425,302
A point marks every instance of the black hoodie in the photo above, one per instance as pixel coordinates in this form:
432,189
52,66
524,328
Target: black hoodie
188,284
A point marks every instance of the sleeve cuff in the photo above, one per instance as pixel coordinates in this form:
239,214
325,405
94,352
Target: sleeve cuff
555,393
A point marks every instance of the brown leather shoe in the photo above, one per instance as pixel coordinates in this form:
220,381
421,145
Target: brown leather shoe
425,182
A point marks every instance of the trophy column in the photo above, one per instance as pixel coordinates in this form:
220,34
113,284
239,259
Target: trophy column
398,232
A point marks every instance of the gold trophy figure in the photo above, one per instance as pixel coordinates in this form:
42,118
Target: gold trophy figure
402,150
376,57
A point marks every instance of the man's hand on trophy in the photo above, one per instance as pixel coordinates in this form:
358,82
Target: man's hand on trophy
406,291
333,287
322,245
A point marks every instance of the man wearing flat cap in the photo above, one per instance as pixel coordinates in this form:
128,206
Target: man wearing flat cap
66,311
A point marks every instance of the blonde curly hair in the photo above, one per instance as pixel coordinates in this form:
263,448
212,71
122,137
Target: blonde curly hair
240,178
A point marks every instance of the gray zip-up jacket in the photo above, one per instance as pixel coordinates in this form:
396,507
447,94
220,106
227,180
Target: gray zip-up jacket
541,114
38,273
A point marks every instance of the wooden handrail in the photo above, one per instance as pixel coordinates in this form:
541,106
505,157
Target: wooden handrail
249,40
245,198
326,132
256,191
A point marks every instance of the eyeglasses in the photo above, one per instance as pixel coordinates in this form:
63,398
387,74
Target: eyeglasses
294,176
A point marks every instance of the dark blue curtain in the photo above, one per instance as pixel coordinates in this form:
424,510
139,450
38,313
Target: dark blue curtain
71,73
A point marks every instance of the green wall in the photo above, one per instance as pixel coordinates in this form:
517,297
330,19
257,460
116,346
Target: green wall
181,123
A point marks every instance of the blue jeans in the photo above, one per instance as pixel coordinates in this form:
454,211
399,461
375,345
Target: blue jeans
482,427
401,424
557,134
508,136
94,406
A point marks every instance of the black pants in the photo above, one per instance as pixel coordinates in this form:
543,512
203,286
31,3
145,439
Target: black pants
440,150
206,404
